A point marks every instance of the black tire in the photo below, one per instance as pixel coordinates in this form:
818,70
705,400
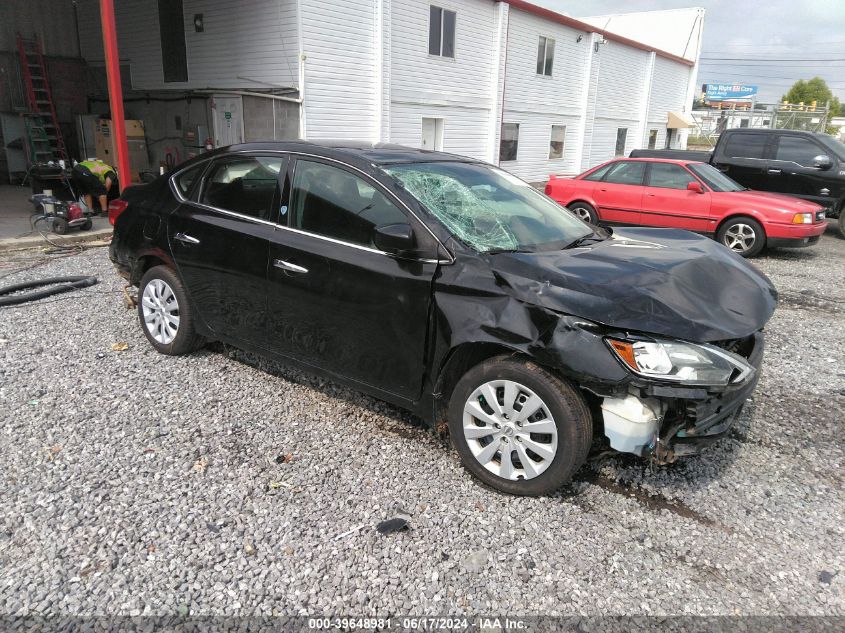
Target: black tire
727,233
842,219
186,339
87,226
566,405
585,212
59,226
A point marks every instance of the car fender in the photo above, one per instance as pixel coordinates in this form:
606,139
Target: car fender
743,212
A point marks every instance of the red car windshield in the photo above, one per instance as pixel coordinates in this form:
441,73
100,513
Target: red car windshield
715,179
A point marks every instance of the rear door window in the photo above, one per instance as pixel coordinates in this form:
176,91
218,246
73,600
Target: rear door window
626,172
797,149
243,184
746,145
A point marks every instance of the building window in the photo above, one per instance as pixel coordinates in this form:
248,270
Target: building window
545,56
556,144
432,134
652,139
510,141
441,32
171,28
621,137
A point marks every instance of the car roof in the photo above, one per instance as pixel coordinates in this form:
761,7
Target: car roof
675,161
375,153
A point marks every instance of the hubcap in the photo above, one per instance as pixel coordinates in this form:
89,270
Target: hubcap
161,311
510,430
740,238
583,213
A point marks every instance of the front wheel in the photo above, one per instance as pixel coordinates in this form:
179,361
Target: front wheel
519,428
743,236
165,314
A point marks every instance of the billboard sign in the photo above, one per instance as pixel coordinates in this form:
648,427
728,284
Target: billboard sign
729,92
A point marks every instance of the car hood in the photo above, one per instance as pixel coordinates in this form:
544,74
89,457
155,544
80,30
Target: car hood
773,201
660,281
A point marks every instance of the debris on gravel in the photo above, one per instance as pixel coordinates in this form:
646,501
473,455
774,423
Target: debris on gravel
219,483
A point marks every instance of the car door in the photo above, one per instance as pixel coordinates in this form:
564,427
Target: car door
668,202
744,158
220,241
793,172
619,194
338,303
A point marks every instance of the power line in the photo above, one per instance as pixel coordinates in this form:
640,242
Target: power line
767,46
767,60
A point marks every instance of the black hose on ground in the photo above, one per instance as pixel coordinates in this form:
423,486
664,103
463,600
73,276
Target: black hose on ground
59,285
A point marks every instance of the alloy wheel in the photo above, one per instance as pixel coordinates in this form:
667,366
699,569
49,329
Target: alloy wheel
161,311
740,238
510,430
583,213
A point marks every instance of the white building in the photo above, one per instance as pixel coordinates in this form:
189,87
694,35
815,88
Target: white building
507,82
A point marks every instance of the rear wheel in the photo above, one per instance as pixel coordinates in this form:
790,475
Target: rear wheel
87,225
743,236
519,428
165,314
842,218
585,212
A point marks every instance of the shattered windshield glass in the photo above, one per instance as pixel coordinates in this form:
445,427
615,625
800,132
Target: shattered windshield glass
488,208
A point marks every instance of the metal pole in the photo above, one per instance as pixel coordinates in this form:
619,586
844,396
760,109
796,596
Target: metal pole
115,91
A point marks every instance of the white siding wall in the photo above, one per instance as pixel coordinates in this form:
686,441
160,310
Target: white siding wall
342,92
245,45
621,77
459,89
537,102
668,94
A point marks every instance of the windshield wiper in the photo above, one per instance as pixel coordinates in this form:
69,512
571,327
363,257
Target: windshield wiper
586,239
497,251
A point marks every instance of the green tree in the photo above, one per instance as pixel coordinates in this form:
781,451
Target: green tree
815,89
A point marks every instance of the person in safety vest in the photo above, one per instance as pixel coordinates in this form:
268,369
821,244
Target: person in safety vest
93,177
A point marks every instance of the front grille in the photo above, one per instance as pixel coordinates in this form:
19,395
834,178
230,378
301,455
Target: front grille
741,346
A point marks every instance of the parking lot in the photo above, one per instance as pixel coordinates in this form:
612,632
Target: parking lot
135,483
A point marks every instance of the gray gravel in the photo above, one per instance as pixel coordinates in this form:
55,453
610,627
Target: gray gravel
134,483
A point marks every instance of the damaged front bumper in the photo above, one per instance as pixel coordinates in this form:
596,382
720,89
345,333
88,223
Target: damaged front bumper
694,417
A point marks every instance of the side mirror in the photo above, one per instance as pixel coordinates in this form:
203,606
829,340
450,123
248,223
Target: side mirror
394,238
695,186
821,161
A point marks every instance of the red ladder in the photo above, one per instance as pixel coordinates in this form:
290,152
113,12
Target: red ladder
34,72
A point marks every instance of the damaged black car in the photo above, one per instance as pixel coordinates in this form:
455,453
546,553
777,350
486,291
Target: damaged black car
450,288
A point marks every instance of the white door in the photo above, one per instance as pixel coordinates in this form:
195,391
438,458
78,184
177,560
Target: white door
432,134
228,120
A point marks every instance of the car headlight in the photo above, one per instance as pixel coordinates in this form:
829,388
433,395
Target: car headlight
802,218
681,362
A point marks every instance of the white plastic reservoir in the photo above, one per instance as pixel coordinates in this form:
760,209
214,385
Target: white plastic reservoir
630,423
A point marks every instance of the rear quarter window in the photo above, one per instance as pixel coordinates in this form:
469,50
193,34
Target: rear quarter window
185,181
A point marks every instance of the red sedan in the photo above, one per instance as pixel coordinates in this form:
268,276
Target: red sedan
689,195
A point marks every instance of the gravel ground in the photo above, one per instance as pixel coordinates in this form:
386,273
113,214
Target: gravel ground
134,483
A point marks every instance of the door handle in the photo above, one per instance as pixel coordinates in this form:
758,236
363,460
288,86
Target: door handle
185,238
293,268
773,171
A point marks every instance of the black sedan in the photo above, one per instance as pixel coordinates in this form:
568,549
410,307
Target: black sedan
453,289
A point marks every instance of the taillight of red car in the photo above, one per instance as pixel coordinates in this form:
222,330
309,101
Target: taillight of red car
548,189
116,207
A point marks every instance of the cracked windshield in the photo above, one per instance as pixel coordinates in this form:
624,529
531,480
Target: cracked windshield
489,209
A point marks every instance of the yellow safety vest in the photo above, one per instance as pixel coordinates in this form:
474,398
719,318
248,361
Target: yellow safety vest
98,168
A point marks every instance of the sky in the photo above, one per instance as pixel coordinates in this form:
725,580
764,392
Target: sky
751,30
